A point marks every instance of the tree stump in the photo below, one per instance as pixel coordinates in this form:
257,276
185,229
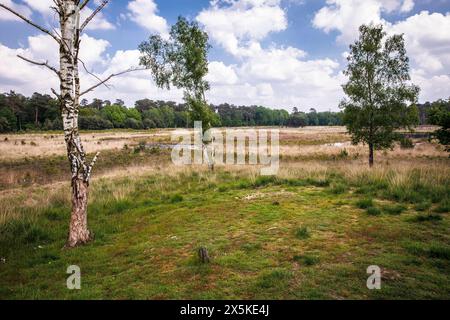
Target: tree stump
203,255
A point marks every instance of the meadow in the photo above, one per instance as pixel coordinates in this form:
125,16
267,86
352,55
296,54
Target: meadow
310,232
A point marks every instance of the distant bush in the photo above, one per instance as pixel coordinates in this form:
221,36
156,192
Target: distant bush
406,143
132,123
94,123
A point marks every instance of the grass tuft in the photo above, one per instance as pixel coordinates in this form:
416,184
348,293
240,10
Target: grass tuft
306,260
302,233
373,211
422,206
394,209
176,198
426,217
364,203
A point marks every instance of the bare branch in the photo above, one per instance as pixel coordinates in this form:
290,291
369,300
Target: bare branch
85,2
91,73
88,172
56,94
109,78
88,19
30,22
44,64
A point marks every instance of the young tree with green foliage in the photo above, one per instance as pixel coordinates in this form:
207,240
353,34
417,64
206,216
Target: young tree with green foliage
182,61
381,98
439,115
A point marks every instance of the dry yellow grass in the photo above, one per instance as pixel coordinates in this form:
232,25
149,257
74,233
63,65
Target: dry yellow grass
298,161
17,146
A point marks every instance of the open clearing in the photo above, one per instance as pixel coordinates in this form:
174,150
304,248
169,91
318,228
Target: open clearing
308,233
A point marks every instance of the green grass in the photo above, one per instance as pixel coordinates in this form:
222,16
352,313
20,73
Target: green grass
365,203
373,211
302,233
426,217
394,209
422,206
296,240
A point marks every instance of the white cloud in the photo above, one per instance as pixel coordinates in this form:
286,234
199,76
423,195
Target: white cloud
347,15
42,6
427,40
220,74
8,16
426,35
99,22
144,13
407,6
235,24
27,78
276,76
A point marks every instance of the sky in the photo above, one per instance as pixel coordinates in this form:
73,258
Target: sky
275,53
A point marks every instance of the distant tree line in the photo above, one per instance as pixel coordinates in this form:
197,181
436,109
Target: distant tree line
41,112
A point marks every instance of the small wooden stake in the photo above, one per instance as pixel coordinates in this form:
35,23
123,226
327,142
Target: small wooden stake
203,255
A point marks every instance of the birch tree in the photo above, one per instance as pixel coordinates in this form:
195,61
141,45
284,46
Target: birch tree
68,40
381,98
182,61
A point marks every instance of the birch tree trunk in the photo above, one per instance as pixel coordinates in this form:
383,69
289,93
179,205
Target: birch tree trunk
69,96
70,90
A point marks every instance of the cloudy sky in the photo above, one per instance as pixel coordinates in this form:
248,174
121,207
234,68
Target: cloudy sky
276,53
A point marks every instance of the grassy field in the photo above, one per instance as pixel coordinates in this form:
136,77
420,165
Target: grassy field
308,233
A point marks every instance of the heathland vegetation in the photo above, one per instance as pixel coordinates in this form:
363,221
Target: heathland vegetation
309,231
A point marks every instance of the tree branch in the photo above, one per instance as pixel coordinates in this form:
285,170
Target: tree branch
109,78
88,19
44,64
84,4
30,22
88,172
56,94
91,73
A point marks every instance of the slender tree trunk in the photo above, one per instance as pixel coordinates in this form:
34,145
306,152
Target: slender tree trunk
69,20
36,118
78,230
371,155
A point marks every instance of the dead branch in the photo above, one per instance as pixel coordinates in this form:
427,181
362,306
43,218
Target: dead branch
85,2
109,78
44,64
91,73
88,19
30,22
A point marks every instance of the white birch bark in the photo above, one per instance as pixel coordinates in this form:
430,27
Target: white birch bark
69,96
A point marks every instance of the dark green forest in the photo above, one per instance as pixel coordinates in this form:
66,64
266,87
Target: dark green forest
41,112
